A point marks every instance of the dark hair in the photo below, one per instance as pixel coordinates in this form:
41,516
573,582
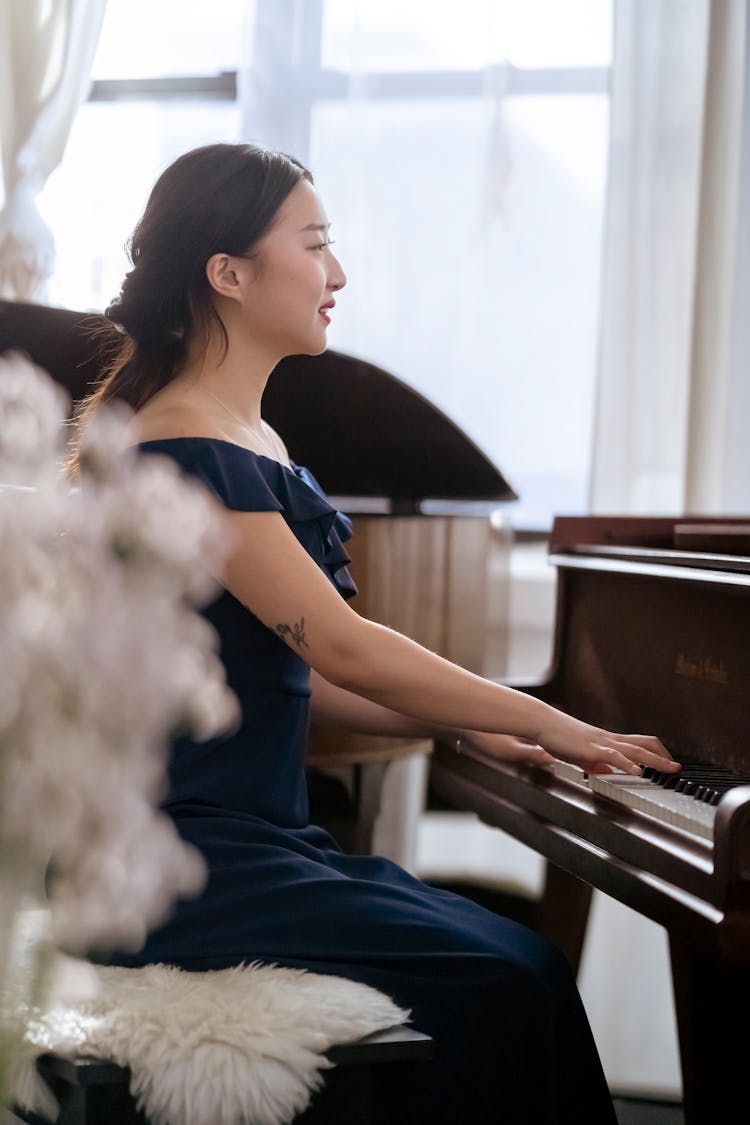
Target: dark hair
218,198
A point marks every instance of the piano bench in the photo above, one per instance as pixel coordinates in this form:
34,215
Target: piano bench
375,1081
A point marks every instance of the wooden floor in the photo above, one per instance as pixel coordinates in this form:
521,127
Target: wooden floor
630,1111
633,1110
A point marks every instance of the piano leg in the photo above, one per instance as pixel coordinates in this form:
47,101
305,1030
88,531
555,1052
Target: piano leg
712,1001
563,912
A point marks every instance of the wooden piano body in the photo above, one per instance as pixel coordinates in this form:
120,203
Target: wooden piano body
652,635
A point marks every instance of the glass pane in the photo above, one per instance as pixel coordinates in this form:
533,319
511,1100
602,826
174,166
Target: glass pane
388,35
95,198
559,32
143,39
470,232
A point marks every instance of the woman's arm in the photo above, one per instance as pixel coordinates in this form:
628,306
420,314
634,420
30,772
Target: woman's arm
335,707
343,710
273,576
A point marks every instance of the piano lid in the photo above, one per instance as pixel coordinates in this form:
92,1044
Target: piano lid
364,432
369,434
60,341
710,542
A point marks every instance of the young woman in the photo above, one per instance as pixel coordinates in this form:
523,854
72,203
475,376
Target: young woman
233,270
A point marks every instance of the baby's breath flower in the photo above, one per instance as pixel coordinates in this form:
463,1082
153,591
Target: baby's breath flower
32,409
104,656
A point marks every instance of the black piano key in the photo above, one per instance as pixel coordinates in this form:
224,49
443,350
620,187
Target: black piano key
703,781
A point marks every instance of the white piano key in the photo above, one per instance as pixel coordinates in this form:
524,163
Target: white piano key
568,772
626,784
643,795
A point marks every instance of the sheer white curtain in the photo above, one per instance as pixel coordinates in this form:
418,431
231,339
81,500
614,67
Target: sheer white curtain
46,51
668,436
461,154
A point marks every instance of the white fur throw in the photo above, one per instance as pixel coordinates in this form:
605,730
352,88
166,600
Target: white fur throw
239,1046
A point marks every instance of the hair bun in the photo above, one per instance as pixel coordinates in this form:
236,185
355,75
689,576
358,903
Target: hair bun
146,327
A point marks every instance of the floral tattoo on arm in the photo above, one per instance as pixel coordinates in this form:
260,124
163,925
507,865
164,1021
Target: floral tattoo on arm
295,633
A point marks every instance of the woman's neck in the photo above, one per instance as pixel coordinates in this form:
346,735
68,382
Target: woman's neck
234,380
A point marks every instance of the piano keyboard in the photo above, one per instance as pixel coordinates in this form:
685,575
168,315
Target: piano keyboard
686,800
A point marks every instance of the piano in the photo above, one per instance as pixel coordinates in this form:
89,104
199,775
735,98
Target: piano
651,636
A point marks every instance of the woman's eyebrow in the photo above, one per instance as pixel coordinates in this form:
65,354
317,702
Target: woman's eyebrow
315,226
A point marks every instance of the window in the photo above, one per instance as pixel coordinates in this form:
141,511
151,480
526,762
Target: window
164,81
461,155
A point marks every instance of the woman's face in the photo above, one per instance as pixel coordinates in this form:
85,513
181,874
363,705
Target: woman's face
292,276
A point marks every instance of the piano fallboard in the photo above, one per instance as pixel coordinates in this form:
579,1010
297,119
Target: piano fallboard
655,649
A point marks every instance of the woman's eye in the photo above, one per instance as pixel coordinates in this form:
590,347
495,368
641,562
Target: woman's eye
322,245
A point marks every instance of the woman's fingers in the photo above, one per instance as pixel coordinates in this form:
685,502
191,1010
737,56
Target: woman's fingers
600,751
609,759
631,752
647,751
540,757
647,741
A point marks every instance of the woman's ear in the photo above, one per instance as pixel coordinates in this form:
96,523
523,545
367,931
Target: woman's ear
223,275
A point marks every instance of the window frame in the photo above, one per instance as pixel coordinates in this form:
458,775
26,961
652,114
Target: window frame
289,37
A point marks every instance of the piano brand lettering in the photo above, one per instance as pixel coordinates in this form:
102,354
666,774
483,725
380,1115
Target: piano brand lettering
704,669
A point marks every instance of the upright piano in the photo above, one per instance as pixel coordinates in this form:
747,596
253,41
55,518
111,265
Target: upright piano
652,636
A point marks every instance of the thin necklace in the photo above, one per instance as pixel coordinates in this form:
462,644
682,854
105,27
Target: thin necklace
231,413
260,436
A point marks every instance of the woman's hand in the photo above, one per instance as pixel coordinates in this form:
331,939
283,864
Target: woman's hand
600,751
593,749
508,747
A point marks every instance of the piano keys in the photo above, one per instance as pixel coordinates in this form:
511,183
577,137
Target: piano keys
687,800
652,635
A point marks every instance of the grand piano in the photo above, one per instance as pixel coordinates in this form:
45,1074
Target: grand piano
652,636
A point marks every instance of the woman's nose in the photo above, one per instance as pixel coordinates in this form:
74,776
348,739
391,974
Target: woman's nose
338,277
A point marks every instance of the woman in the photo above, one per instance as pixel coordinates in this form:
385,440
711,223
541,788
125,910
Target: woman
233,270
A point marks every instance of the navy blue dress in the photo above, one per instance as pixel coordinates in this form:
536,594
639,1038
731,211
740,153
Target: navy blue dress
513,1045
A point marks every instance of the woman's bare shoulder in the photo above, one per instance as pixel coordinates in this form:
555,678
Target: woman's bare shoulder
173,420
161,422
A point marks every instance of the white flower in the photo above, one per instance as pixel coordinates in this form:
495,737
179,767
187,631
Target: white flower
105,443
103,657
32,410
